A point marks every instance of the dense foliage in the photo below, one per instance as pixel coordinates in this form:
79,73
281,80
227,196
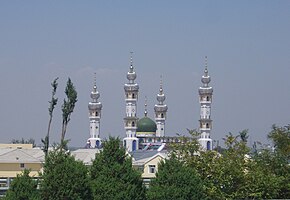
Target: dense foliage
113,176
176,180
239,172
23,187
64,178
236,172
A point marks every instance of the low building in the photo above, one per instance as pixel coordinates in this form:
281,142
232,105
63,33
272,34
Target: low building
147,163
14,160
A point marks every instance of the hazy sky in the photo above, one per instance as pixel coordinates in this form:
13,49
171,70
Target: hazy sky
247,44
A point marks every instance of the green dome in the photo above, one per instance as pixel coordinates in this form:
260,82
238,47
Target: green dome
146,125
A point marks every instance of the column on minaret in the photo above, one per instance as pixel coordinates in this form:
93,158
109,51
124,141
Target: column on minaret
160,112
95,108
205,100
131,142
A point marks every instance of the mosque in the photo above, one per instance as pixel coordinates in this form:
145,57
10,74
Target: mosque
145,133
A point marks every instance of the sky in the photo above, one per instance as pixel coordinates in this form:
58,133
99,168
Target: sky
247,44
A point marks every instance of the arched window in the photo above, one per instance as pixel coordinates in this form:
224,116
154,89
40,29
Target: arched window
207,125
97,113
162,115
207,98
97,144
133,95
133,124
134,145
208,145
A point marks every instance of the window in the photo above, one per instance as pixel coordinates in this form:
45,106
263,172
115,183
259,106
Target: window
133,124
133,96
162,115
207,98
22,165
207,125
151,169
134,145
208,145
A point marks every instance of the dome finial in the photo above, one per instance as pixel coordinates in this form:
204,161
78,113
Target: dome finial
145,112
161,85
95,79
95,82
131,61
205,69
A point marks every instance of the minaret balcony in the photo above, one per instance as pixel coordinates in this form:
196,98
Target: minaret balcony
132,87
131,100
133,128
205,102
97,118
160,119
205,91
160,108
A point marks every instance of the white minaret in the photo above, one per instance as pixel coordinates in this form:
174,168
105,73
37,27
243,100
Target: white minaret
205,100
160,112
131,142
95,108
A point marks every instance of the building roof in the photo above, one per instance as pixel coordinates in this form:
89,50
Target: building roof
85,155
142,157
21,156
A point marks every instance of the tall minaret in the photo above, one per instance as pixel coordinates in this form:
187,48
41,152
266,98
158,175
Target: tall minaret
205,100
95,108
160,112
131,142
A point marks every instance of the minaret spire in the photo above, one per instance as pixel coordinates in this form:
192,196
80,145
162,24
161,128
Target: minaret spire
205,100
145,105
161,85
95,79
95,108
160,111
131,88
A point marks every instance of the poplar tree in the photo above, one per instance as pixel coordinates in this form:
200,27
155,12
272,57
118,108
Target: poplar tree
67,109
52,104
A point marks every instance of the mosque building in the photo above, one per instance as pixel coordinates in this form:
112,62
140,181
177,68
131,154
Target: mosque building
145,133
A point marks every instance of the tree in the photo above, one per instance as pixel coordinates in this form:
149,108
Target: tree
261,180
64,178
176,180
244,135
188,147
52,104
113,176
67,108
281,140
23,187
276,162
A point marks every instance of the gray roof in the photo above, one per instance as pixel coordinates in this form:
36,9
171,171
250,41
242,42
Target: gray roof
141,154
85,155
8,155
